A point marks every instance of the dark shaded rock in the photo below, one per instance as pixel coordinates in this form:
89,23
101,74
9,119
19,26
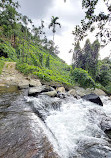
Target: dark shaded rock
96,151
61,95
108,132
93,98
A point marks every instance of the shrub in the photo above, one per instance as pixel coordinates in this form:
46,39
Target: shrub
82,77
25,68
36,62
1,65
47,62
42,76
9,50
41,58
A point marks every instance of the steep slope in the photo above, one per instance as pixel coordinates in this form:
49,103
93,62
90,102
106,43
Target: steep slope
34,60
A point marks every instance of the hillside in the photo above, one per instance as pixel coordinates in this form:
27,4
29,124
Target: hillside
36,61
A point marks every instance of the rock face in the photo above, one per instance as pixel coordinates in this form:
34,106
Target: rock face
20,133
93,98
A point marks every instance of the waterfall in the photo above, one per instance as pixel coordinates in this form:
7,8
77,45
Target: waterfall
75,127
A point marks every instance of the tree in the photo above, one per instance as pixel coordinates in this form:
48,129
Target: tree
104,74
36,36
8,19
102,20
76,55
53,25
87,58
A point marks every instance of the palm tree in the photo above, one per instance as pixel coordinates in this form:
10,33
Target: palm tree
53,25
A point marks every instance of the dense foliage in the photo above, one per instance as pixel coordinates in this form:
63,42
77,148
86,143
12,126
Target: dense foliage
82,78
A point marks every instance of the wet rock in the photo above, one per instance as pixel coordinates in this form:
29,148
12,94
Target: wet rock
36,90
96,151
99,92
80,91
89,90
93,98
108,132
72,92
20,133
61,95
60,89
50,94
8,88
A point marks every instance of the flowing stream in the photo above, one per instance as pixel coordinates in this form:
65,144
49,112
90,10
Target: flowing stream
74,127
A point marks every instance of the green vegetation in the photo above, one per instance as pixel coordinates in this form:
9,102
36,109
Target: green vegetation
51,69
82,77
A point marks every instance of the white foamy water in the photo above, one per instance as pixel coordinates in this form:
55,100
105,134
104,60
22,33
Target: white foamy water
78,126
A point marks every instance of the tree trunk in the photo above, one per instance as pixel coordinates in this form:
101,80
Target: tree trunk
53,37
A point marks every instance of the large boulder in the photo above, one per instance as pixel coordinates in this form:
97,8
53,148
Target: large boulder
93,98
34,83
80,91
36,90
50,93
23,84
72,92
60,89
99,92
61,95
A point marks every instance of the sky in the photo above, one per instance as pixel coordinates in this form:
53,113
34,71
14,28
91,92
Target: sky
70,14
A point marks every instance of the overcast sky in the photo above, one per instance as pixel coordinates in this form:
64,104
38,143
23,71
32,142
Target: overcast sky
69,13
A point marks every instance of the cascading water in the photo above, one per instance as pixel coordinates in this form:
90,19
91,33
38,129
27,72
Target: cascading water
75,127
